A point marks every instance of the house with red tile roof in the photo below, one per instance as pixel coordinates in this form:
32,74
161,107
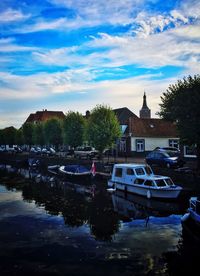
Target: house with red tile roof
44,115
143,134
147,134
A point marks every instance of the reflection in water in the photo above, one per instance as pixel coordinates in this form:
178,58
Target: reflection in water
49,226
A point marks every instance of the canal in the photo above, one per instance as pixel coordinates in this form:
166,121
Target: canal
52,227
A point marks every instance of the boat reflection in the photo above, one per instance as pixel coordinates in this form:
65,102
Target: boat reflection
131,206
77,204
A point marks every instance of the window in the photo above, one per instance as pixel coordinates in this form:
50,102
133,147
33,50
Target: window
169,182
140,171
118,172
189,151
122,146
160,183
140,145
148,170
139,181
129,171
174,143
148,183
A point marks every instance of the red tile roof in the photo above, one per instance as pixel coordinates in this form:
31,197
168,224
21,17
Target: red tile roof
41,116
152,128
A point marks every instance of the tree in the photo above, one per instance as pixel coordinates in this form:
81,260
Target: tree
38,134
2,137
53,131
28,130
180,104
9,135
19,137
103,128
74,129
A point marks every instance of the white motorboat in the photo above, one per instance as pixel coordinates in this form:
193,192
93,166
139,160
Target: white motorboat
140,179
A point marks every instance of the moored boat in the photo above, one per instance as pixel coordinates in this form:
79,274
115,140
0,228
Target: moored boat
75,172
193,213
140,179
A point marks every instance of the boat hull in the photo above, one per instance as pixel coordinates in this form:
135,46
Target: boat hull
76,177
149,192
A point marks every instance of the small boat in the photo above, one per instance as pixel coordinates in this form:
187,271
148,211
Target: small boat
53,169
140,179
75,172
193,213
191,220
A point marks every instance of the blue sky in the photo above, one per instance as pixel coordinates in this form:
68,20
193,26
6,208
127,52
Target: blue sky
74,54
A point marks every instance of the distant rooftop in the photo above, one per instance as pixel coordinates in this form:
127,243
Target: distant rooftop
44,115
123,114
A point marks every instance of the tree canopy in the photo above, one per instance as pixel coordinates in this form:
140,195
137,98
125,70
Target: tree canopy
38,134
103,128
53,131
181,104
74,129
28,129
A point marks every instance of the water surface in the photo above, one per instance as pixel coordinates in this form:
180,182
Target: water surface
49,228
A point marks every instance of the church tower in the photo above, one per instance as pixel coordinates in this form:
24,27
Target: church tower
145,112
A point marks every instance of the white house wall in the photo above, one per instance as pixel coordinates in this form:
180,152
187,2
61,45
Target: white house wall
151,143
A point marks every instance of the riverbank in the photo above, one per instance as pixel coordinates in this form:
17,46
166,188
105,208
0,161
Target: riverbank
185,177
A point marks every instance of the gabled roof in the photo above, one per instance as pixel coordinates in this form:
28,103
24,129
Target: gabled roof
44,115
152,128
123,114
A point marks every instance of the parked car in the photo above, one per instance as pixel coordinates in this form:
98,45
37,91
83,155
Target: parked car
34,150
2,149
17,149
85,152
48,151
165,158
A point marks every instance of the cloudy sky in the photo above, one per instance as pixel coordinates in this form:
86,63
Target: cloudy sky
74,54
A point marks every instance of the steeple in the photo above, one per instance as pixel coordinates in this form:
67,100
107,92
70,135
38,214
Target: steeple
145,112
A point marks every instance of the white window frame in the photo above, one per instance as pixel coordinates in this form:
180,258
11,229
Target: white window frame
140,145
185,148
174,143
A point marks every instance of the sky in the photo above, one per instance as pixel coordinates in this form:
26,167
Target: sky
71,55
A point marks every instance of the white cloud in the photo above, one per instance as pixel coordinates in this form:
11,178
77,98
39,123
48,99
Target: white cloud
11,15
110,11
8,45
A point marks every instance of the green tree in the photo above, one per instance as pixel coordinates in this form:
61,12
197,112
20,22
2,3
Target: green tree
53,132
180,104
9,134
2,137
74,129
103,128
28,130
38,134
19,137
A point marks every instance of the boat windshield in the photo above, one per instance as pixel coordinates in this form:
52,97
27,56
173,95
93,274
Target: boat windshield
169,182
160,182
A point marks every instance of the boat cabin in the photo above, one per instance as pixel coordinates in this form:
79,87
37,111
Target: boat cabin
126,173
139,174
